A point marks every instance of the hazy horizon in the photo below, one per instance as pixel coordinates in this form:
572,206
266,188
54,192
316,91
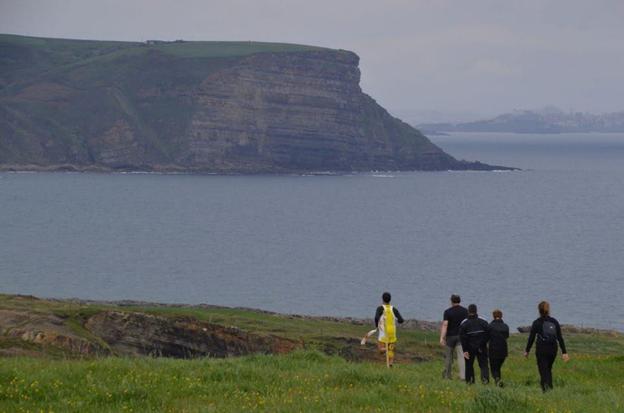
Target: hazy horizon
447,59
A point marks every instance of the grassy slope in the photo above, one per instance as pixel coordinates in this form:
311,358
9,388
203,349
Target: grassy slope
24,56
303,381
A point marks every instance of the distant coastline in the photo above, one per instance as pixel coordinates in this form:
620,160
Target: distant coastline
173,169
545,121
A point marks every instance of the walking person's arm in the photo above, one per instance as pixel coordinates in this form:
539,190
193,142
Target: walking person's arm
398,316
443,330
378,314
463,338
564,352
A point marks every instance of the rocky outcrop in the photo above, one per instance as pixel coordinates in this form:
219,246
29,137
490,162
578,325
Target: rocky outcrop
130,334
46,331
144,334
223,107
81,328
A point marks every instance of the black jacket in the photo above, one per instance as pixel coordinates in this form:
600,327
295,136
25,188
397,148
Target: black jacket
499,333
542,347
474,333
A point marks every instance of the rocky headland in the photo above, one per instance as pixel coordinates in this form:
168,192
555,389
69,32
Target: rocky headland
30,326
216,107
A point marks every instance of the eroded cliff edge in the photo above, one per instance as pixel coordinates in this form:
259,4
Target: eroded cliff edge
30,326
225,107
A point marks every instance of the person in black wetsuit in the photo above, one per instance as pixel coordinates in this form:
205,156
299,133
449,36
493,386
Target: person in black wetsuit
548,333
497,349
474,333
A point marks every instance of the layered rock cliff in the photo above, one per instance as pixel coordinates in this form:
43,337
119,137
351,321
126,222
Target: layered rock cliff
228,107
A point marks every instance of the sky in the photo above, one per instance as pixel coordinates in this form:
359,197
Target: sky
422,59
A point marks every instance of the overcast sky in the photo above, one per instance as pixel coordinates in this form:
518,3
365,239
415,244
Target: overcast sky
478,57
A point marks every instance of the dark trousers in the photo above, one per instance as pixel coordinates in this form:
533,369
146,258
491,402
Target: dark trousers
481,356
495,365
544,365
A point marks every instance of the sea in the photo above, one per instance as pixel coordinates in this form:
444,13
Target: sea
332,244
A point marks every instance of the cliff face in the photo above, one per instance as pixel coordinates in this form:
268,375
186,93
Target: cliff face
197,106
300,111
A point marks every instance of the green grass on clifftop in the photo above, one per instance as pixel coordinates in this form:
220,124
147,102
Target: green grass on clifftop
71,50
230,49
300,381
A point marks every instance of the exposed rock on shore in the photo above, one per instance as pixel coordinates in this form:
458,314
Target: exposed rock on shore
43,330
144,334
135,334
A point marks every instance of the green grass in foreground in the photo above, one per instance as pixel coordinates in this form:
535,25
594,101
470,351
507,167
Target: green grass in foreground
301,381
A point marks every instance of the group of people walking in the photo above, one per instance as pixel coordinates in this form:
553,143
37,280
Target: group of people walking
472,338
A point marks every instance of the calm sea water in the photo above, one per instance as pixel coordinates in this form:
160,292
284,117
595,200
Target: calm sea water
330,245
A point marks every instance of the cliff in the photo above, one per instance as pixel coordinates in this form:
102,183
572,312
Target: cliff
226,107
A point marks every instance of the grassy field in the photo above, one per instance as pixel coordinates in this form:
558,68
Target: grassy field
61,52
300,381
316,379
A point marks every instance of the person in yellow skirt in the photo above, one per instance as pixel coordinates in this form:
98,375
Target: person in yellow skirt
386,319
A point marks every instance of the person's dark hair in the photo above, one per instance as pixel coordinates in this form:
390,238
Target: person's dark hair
544,308
386,297
472,309
497,313
455,299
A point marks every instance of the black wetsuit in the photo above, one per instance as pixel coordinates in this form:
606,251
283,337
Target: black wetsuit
545,351
474,333
497,349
